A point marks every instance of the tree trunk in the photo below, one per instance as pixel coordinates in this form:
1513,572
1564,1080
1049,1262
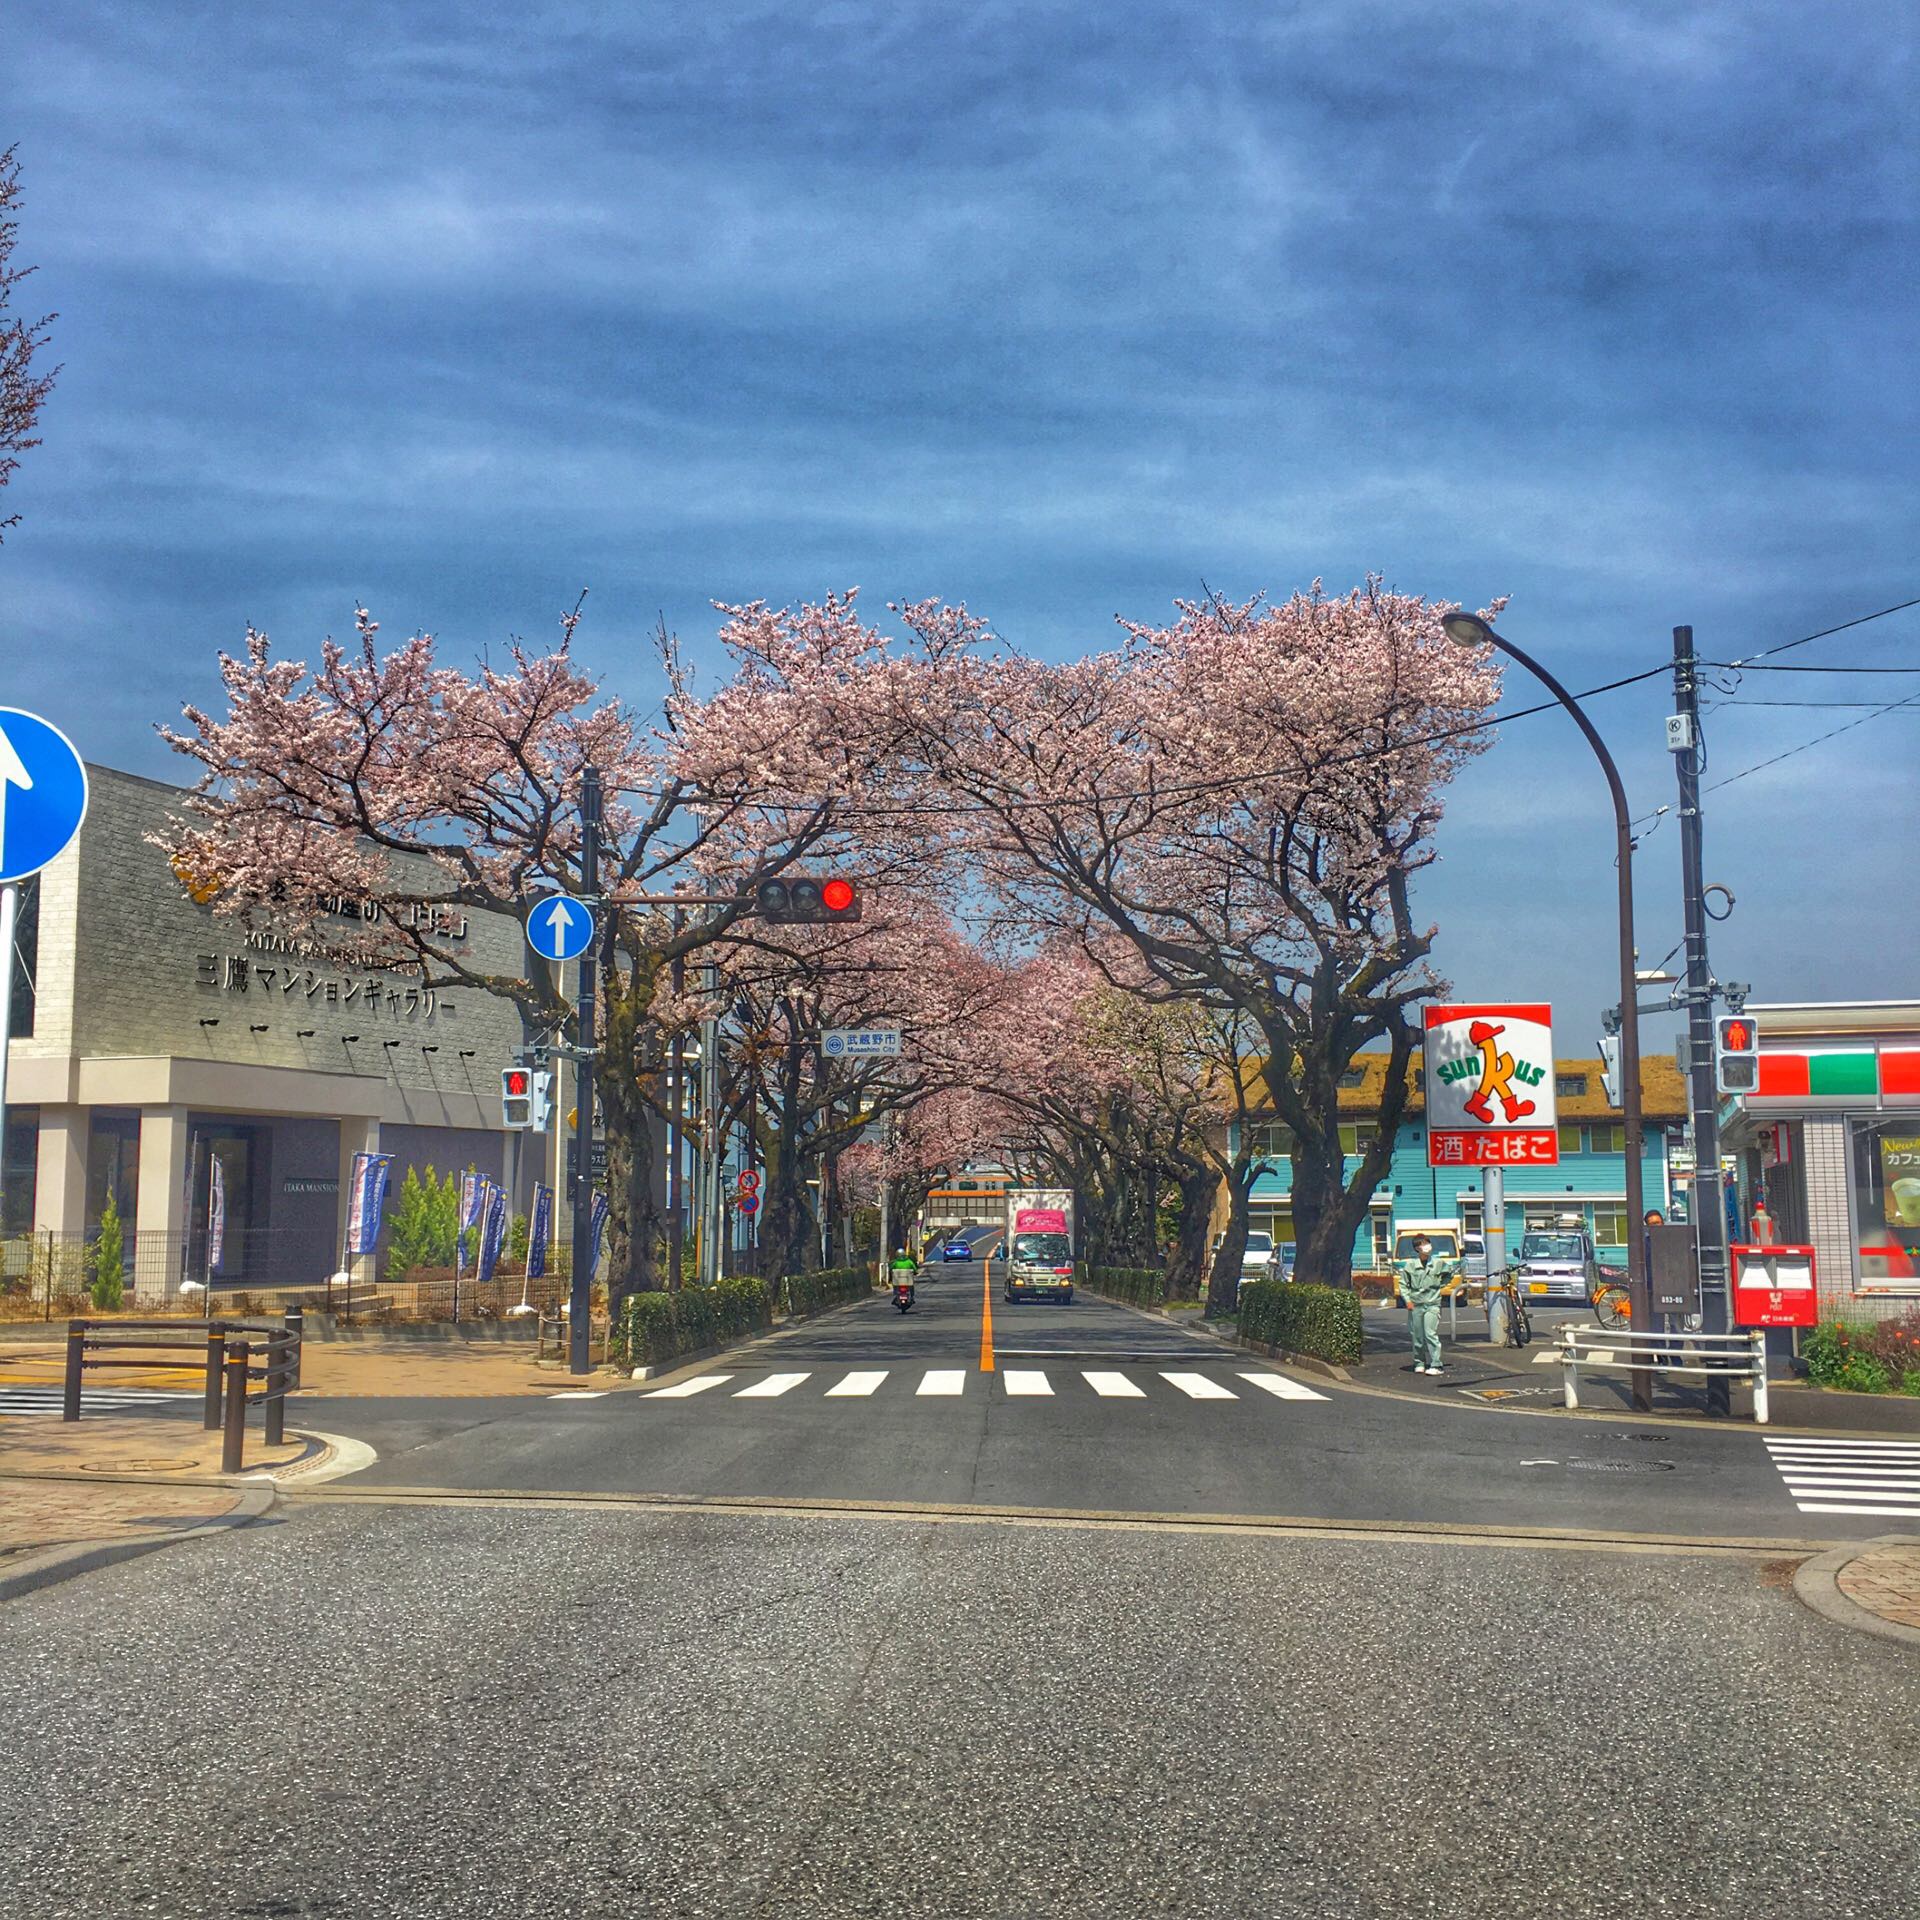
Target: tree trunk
633,1220
1223,1281
1198,1184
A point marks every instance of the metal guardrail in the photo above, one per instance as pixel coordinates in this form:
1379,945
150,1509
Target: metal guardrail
1668,1356
233,1354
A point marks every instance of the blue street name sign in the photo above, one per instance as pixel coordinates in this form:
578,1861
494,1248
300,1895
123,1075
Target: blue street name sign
559,928
43,793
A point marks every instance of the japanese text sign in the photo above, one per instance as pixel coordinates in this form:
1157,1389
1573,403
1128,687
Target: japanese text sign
1773,1286
1490,1087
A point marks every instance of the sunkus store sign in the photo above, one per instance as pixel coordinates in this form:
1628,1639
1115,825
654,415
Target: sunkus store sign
1490,1087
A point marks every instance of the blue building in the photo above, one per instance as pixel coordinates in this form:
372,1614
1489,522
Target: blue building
1590,1181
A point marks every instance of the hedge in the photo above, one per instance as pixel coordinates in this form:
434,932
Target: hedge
1323,1322
661,1326
1136,1286
803,1293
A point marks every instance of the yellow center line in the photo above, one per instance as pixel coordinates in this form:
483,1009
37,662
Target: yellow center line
986,1316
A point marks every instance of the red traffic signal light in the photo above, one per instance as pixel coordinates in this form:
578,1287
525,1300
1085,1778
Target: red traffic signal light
516,1083
807,899
1736,1054
1736,1036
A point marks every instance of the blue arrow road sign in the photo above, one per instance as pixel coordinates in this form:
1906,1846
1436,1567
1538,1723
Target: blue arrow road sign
43,793
559,928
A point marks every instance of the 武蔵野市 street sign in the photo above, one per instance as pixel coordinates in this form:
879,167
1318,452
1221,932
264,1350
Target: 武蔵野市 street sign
851,1043
43,793
559,928
1489,1086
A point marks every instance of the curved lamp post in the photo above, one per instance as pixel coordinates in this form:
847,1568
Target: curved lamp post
1469,630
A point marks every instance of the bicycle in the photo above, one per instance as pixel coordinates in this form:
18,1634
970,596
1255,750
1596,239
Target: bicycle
1513,1326
1611,1302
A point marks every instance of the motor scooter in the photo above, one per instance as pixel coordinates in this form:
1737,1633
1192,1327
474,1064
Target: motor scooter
903,1292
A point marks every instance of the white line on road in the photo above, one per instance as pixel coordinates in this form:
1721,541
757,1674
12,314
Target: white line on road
772,1387
1813,1506
1281,1387
579,1393
1196,1386
1026,1380
1113,1386
687,1388
857,1386
944,1380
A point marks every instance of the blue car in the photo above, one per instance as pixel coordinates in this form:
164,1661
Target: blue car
956,1250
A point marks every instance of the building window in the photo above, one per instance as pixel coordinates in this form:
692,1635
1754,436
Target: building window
1357,1137
1610,1227
19,1158
1570,1140
1606,1139
1354,1077
1886,1204
113,1165
1271,1140
1570,1086
26,949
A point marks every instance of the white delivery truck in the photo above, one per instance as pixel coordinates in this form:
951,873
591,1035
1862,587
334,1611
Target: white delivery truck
1039,1245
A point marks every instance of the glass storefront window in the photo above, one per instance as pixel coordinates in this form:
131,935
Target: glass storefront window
19,1158
1885,1156
26,951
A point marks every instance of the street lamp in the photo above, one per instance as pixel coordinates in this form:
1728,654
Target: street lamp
1469,630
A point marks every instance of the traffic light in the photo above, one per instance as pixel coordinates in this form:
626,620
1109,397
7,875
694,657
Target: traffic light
542,1100
1736,1053
516,1098
1610,1068
808,899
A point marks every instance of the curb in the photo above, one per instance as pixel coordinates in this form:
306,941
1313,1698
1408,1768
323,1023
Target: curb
1817,1586
51,1565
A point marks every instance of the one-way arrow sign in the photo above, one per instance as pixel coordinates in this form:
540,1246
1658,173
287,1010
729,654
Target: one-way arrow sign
559,928
43,793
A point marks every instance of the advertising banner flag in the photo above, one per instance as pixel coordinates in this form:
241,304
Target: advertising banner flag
596,1229
368,1201
1489,1087
216,1215
495,1231
538,1230
473,1209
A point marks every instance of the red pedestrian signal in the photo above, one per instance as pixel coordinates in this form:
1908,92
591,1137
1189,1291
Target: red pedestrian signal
516,1098
807,900
1736,1054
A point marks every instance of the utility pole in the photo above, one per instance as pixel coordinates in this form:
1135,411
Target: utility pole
676,1107
580,1289
1709,1216
710,1213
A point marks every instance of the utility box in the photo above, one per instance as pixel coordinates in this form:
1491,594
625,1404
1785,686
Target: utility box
1673,1270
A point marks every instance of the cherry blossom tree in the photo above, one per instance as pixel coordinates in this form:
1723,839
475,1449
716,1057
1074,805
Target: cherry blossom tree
23,387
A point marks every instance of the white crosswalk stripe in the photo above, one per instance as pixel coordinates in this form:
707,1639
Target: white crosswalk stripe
1850,1476
772,1387
1025,1380
1196,1386
52,1399
858,1385
1113,1386
1281,1387
688,1388
944,1381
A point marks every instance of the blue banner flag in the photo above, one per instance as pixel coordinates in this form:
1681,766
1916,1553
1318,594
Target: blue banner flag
596,1230
495,1231
368,1201
539,1228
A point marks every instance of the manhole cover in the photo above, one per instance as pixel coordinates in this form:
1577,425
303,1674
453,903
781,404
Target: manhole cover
1621,1466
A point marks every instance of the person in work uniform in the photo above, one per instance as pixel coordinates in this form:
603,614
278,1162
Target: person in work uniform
1421,1284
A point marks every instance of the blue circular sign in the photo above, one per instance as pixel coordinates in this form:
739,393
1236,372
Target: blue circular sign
559,928
747,1203
43,793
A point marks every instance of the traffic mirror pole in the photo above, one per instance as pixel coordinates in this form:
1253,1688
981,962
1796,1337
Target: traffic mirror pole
580,1284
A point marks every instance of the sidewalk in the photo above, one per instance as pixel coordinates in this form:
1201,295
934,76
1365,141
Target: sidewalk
112,1483
1873,1588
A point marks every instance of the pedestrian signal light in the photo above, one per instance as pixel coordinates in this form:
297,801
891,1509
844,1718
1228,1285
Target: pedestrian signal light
807,899
1610,1068
1736,1053
542,1101
516,1098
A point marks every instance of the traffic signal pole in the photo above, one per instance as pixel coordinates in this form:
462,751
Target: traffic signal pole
1708,1213
580,1286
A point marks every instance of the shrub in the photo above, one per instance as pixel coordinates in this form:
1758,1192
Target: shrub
1880,1356
425,1215
804,1293
1136,1286
655,1327
1323,1322
109,1260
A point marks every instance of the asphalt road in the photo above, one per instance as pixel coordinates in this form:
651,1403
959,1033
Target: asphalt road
1088,1407
365,1711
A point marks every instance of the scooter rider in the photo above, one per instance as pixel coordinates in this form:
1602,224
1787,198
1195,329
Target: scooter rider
903,1273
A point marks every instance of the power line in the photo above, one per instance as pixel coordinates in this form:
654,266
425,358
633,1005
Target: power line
1786,646
1893,706
1795,667
1741,701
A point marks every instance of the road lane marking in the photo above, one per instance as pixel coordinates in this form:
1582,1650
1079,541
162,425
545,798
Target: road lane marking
986,1319
1281,1387
687,1388
1196,1386
772,1387
1026,1380
1868,1477
1113,1386
579,1393
943,1380
858,1385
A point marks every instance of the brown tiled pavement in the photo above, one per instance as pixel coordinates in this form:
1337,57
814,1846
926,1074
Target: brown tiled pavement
1885,1580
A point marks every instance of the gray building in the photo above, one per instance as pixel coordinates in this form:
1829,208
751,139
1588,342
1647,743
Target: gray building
153,1038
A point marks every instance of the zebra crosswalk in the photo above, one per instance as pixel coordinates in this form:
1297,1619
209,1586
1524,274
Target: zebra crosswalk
1011,1383
52,1399
1850,1476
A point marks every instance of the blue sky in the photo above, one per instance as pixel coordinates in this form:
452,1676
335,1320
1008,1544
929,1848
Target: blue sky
1056,309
